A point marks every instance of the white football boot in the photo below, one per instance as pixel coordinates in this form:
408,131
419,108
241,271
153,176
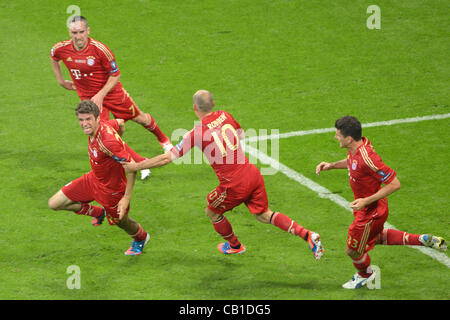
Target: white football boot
167,147
145,174
358,282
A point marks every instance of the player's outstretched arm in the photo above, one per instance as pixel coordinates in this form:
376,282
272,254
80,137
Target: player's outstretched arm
325,166
155,162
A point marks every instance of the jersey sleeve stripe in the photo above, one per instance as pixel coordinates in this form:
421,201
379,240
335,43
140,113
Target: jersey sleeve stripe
61,44
103,148
105,50
367,159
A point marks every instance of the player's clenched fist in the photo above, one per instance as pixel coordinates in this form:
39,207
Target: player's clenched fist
68,85
323,166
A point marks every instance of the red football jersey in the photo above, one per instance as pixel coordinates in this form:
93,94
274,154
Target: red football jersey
218,137
367,171
89,68
106,149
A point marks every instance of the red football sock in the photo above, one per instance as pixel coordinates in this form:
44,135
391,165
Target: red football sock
89,210
153,128
223,227
140,234
287,224
362,265
396,237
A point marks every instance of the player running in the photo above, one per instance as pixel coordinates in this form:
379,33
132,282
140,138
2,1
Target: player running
218,136
106,183
367,173
96,76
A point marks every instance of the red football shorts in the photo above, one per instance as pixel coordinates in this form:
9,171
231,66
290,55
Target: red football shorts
364,231
249,189
121,105
83,190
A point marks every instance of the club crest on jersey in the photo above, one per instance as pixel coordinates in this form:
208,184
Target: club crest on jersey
90,60
95,153
354,164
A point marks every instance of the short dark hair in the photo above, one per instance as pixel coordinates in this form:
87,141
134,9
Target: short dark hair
78,19
87,106
349,126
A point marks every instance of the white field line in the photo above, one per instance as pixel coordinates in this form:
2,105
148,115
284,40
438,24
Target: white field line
327,194
364,125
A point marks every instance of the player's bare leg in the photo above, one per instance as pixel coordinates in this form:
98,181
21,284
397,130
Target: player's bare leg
59,201
224,229
287,224
135,231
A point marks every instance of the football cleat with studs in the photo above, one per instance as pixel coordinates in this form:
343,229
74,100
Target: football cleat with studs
358,281
137,247
434,242
315,245
145,173
225,248
97,221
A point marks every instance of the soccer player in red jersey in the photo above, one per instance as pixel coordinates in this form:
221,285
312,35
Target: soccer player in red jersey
218,136
106,183
96,76
367,173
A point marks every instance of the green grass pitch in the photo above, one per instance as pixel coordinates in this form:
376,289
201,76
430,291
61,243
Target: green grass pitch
286,65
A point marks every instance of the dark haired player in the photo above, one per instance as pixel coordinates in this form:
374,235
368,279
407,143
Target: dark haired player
367,173
106,183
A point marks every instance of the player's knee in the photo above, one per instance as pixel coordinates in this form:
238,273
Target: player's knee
263,217
142,119
53,203
58,201
352,253
214,217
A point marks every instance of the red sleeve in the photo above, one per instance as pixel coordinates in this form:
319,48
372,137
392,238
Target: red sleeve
185,144
136,157
117,149
55,53
107,59
378,169
114,124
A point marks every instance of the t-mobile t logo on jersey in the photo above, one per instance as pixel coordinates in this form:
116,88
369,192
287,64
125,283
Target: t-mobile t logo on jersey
76,73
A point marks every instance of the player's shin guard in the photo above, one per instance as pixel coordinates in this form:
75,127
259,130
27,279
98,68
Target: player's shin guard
362,264
396,237
287,224
153,128
89,210
223,227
